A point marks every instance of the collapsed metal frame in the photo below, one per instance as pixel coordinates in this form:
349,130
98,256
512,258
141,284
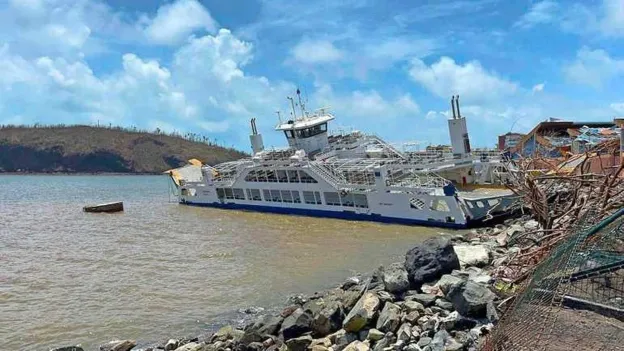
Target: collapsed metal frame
575,299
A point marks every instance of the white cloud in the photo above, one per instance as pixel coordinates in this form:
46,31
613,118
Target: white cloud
538,88
367,104
612,22
617,107
176,21
203,89
593,67
471,81
541,12
309,51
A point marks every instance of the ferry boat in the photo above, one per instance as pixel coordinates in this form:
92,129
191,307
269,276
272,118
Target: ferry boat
354,176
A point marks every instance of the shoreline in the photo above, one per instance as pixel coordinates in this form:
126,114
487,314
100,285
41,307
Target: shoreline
403,305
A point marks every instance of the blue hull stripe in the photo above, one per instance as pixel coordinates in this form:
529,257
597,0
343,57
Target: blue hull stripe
327,214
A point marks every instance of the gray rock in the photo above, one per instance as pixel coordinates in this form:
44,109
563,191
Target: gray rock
191,346
299,344
389,318
447,281
343,339
395,278
296,324
405,332
412,317
439,341
490,312
350,282
425,299
448,322
385,296
68,348
412,347
254,346
430,260
171,344
424,341
261,328
118,345
472,255
471,299
227,333
364,311
411,305
444,304
374,335
328,319
386,341
357,346
428,323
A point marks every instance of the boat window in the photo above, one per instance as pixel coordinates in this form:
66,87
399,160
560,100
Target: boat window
293,177
275,196
282,177
267,195
347,200
308,197
289,134
360,200
220,193
440,205
332,199
251,176
271,178
254,194
324,127
305,177
295,197
228,193
470,205
493,202
238,194
417,203
286,196
480,204
317,195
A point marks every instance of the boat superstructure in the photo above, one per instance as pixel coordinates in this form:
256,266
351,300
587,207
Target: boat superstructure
353,176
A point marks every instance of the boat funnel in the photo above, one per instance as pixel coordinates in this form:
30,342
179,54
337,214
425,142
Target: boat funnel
255,138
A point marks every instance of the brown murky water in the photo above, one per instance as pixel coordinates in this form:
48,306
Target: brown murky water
159,269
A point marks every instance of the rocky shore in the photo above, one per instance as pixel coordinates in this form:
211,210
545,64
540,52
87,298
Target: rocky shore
442,297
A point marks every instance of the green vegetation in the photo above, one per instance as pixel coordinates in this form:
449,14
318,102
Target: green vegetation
91,149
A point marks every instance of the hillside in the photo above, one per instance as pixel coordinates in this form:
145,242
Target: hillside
98,149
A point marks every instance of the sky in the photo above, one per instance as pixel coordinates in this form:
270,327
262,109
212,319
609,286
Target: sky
387,67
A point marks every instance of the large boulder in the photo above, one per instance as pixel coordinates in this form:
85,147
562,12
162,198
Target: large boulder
430,260
68,348
395,278
328,319
262,328
364,311
118,345
472,255
471,299
389,318
296,324
192,346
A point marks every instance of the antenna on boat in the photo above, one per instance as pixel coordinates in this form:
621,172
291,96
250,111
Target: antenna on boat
453,106
457,103
292,103
301,104
279,116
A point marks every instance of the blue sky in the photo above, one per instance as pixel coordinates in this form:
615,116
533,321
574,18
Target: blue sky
388,67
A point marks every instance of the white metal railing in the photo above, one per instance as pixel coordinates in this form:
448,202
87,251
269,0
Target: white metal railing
326,175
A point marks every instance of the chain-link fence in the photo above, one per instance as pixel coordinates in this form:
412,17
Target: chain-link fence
575,299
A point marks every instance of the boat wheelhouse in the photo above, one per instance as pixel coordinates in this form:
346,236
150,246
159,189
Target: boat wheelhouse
353,176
